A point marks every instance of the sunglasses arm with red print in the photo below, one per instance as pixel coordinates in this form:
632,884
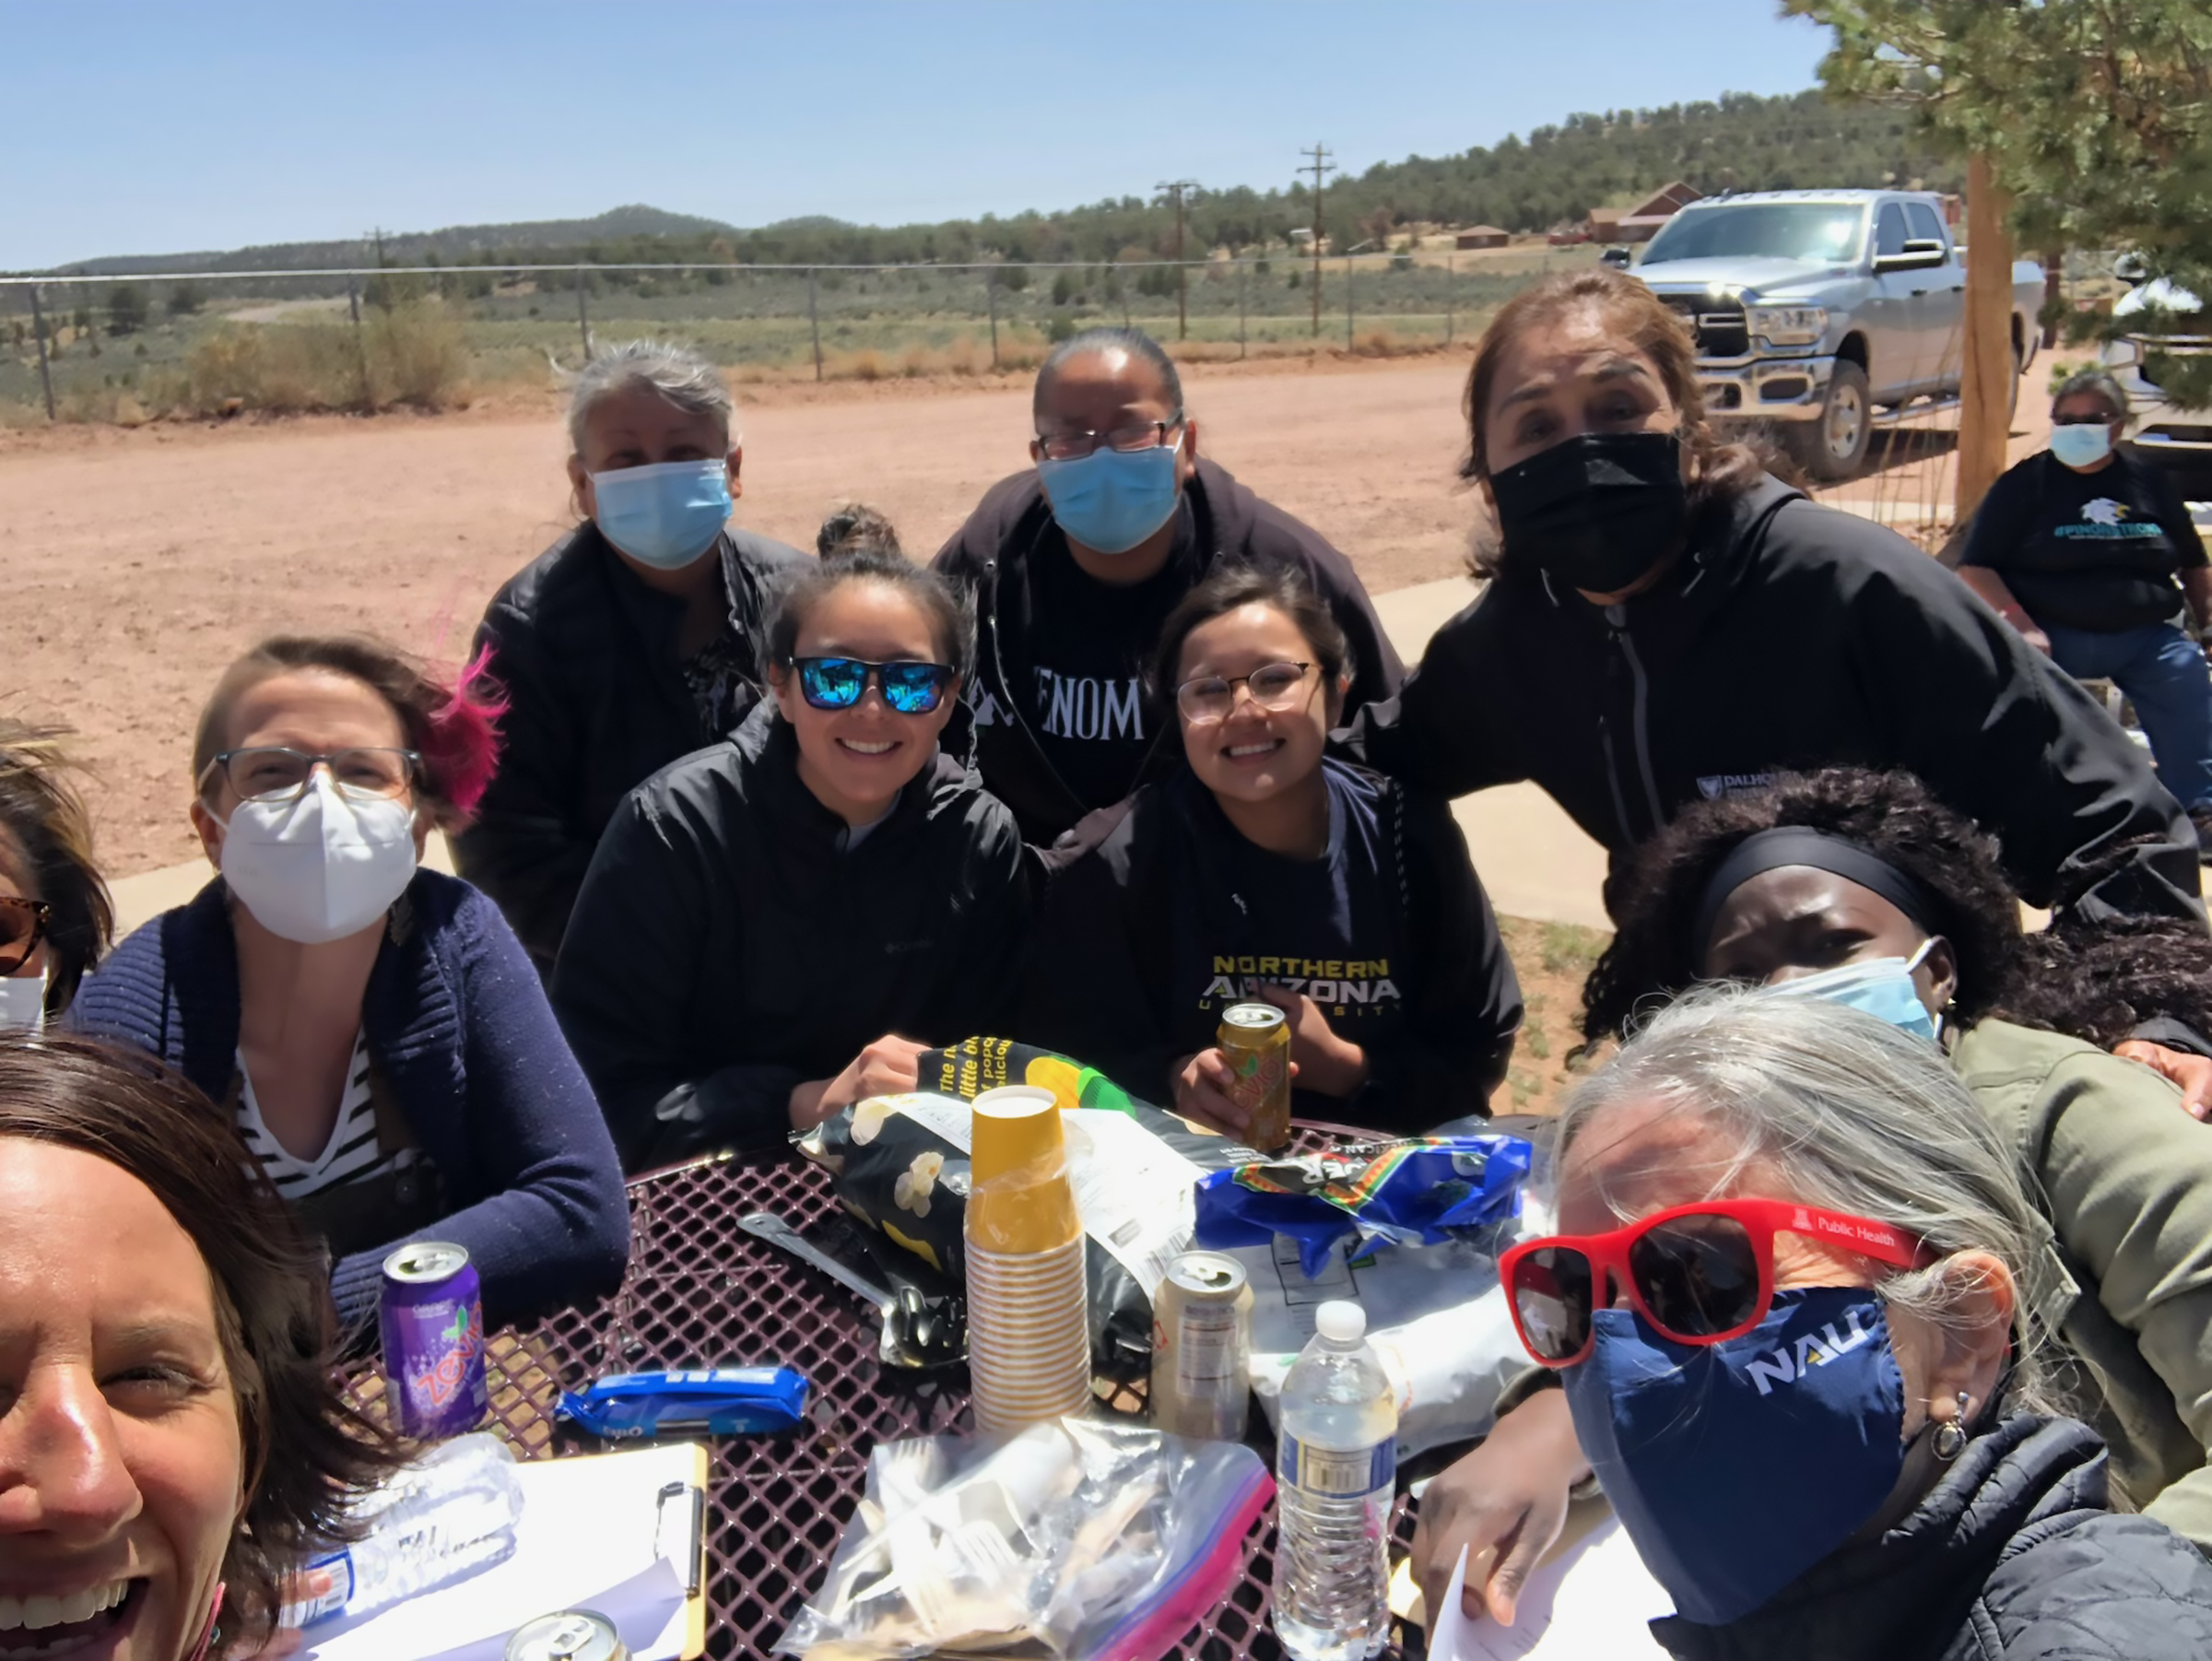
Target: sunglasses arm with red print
1554,1284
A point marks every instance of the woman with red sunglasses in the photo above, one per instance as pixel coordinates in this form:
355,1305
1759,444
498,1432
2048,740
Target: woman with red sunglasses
1785,1303
55,916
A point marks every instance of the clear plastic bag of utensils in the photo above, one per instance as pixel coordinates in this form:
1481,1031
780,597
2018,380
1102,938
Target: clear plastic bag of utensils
1078,1539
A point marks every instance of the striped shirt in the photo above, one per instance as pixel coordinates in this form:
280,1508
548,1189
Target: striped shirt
351,1155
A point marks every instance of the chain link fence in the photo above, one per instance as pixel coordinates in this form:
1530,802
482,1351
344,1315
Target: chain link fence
145,345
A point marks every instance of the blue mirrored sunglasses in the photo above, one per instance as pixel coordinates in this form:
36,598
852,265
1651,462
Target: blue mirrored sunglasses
836,683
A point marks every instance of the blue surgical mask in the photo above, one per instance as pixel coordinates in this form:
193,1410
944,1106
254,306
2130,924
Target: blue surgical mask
2081,446
1737,1467
1881,987
665,515
1112,500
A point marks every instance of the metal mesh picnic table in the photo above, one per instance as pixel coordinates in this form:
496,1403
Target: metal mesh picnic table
702,1292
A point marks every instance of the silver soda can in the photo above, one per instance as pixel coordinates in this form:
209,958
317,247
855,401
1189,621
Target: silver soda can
1201,1345
570,1635
431,1320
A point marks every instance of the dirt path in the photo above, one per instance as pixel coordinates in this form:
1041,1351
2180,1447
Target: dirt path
139,563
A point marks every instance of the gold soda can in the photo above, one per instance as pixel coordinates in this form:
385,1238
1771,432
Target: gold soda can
1201,1347
1256,1040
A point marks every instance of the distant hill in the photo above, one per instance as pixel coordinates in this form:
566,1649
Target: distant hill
456,244
1741,142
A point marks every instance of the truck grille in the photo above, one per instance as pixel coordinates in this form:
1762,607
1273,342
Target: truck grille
1719,326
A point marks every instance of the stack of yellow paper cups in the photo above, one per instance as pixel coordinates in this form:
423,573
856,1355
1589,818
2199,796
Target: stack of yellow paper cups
1028,1332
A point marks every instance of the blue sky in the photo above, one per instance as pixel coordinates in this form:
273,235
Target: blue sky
148,127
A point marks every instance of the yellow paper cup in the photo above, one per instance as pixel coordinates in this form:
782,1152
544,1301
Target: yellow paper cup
1019,1200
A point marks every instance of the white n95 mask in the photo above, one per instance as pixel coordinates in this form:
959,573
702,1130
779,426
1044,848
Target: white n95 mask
322,866
22,1003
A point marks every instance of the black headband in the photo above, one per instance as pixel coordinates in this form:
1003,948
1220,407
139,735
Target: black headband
1765,850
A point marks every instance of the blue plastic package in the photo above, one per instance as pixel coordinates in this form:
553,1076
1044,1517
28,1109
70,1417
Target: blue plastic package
709,1401
1420,1192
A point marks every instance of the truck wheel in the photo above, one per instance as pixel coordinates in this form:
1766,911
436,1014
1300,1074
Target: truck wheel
1834,447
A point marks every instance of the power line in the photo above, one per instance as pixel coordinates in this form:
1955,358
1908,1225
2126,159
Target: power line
1319,167
1175,187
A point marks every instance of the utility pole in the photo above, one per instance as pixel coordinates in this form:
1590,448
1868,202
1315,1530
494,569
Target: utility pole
1319,167
1175,187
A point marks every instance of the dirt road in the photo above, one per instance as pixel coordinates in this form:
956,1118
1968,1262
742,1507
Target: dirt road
139,563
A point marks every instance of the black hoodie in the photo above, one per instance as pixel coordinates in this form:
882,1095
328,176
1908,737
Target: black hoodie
1789,637
1173,915
727,947
997,557
596,705
2015,1555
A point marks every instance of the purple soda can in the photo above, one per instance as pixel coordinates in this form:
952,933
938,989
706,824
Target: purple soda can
431,1319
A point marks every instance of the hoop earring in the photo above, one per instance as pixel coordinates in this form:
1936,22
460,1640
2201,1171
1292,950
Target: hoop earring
1952,1435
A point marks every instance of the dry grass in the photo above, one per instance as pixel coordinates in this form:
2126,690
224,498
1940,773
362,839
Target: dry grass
414,355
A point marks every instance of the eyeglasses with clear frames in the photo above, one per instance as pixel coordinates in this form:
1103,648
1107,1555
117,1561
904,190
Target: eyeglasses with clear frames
1075,446
273,773
1210,698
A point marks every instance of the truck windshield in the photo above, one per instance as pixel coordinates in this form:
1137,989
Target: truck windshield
1824,233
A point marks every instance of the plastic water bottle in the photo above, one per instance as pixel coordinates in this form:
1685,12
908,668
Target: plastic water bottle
1335,1471
443,1517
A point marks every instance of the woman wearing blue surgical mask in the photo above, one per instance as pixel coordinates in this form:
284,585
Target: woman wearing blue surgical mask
372,1026
1861,888
633,640
2090,553
1790,1301
55,915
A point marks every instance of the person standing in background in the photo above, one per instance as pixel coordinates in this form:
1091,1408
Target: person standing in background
1074,564
632,640
55,915
2092,555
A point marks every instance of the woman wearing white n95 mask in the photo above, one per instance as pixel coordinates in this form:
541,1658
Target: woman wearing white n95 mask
373,1027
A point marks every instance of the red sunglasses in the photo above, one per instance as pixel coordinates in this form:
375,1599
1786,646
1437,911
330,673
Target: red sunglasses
1699,1273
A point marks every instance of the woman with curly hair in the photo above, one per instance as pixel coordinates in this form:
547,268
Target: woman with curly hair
373,1027
1862,887
55,915
173,1442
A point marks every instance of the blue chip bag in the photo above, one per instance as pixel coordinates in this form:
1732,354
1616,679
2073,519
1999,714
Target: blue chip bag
1418,1192
710,1401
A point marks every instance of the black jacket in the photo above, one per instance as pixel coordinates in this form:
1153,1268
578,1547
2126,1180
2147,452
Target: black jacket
596,705
1789,637
1129,928
990,557
724,949
2013,1556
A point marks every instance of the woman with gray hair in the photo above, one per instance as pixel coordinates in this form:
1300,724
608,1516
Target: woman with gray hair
632,640
1785,1309
2079,548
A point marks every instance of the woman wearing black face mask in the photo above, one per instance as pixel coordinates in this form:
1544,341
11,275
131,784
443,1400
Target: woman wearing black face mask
1666,624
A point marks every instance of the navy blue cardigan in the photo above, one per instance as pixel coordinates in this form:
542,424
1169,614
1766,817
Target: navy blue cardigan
457,1017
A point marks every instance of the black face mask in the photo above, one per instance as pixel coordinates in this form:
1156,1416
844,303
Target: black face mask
1596,511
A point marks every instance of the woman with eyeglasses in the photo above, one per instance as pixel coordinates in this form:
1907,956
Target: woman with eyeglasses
1263,870
1786,1298
55,915
777,927
1860,886
2090,553
374,1027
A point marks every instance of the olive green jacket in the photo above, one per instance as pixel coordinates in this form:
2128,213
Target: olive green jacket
2127,1179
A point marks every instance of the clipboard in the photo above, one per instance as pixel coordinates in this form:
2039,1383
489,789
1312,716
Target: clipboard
623,1533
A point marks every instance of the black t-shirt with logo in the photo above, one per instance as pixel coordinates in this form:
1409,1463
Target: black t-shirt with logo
2087,551
1080,669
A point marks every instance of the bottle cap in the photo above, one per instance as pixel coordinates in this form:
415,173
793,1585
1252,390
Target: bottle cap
1340,1323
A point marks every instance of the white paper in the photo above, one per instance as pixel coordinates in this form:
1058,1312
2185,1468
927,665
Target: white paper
1591,1603
591,1537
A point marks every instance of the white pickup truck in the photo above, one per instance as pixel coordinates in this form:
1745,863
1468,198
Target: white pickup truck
1826,313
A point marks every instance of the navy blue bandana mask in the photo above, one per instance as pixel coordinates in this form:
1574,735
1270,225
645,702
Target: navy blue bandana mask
1737,1467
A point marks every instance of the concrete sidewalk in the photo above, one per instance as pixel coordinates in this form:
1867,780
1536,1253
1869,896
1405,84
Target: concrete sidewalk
1533,859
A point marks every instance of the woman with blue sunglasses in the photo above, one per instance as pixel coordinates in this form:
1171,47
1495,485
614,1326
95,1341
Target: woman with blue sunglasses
777,927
